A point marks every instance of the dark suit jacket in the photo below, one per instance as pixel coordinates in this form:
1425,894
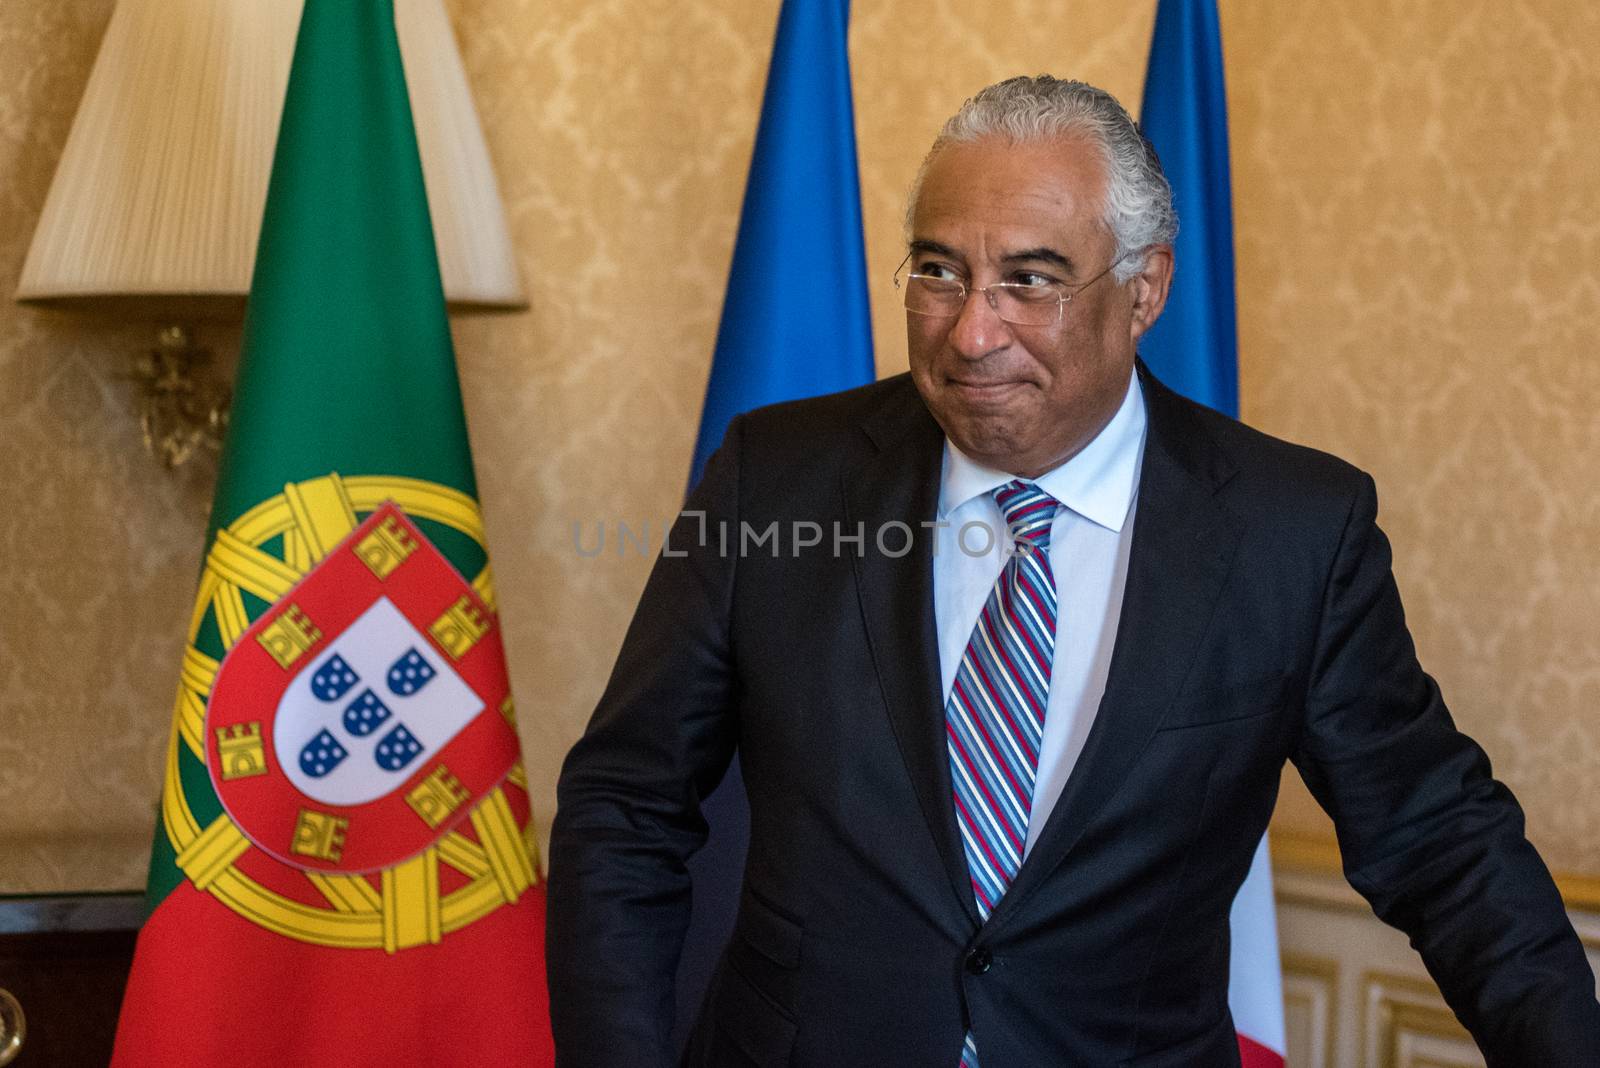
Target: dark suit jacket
1260,623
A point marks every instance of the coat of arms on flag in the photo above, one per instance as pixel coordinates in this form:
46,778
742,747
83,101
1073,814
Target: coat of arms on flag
359,734
358,720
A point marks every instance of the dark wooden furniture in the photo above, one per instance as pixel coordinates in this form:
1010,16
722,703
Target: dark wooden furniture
66,960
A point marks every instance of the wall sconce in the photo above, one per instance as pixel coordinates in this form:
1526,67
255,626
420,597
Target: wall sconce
155,209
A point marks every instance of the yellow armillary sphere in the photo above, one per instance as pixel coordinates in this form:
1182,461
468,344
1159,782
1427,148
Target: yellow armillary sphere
476,853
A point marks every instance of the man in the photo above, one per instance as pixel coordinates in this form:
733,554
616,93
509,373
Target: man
1002,795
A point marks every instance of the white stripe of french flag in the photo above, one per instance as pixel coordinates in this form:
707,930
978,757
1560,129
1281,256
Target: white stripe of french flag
1255,986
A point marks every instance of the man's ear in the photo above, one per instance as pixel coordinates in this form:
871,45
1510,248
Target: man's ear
1150,288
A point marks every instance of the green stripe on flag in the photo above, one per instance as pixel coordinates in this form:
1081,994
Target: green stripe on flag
348,364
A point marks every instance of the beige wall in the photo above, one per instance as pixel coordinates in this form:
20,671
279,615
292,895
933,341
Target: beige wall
1416,200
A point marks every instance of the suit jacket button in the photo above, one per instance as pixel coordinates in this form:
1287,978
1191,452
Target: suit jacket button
979,960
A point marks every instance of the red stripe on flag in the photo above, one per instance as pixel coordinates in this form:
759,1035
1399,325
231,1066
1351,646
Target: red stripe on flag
215,989
1253,1054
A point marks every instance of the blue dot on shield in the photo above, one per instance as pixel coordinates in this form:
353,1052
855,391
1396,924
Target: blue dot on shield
397,749
321,755
409,674
365,714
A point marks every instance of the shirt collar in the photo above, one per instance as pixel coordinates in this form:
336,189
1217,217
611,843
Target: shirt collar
1097,482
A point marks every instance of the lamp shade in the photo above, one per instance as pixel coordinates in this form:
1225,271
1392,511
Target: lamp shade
157,201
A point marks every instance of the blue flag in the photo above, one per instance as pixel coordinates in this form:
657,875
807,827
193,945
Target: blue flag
795,323
1194,345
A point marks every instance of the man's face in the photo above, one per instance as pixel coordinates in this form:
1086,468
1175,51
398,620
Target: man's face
1022,399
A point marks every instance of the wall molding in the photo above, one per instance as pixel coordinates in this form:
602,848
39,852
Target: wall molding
1311,1000
1405,1023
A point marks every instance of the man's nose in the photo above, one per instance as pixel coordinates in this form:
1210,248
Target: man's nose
978,329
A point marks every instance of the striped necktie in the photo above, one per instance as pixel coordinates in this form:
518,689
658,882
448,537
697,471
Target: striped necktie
994,720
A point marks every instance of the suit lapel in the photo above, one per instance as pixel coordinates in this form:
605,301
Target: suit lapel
897,481
1183,545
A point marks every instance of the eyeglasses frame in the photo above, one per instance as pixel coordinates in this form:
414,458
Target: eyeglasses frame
1064,293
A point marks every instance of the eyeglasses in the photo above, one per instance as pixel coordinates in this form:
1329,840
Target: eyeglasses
1018,303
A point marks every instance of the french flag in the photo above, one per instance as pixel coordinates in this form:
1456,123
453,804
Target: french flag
1193,348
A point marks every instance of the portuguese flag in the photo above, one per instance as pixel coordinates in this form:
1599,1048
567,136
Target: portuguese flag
343,871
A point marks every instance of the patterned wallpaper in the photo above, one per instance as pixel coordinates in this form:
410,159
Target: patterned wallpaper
1416,201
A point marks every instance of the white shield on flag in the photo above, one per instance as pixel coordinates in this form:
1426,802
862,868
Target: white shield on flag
353,727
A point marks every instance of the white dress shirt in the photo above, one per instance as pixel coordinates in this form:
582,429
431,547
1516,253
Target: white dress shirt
1089,554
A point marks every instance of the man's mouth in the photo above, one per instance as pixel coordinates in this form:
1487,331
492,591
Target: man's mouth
980,389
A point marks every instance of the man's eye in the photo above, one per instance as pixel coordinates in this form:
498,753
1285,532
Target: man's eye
1031,279
942,271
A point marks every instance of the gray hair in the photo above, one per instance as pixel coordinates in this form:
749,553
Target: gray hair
1138,209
